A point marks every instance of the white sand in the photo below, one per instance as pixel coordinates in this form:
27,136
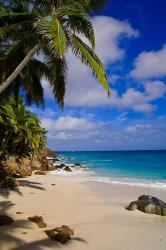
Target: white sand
95,212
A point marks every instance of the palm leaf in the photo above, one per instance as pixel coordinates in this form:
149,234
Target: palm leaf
87,56
52,30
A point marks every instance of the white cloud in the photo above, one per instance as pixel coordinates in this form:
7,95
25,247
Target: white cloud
67,123
73,133
150,64
137,128
130,99
108,32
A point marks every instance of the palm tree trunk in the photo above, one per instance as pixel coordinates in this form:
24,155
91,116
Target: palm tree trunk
19,68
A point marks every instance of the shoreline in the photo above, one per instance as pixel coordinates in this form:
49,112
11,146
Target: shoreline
94,210
91,173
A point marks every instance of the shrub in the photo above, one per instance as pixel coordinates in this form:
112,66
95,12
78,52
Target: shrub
20,130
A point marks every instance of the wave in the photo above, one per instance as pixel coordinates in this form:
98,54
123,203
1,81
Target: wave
76,172
91,176
129,182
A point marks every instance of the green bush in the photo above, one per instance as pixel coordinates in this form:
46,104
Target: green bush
20,130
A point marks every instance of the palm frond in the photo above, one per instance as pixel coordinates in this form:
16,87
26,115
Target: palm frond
51,29
56,75
88,57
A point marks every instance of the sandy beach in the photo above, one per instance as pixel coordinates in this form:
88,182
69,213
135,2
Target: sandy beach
94,210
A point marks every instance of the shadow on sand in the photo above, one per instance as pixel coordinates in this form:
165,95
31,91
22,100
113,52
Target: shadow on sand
7,233
5,192
38,245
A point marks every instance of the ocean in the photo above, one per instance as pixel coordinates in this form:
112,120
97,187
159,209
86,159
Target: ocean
134,168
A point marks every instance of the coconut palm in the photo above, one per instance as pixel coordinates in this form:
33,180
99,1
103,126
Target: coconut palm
20,131
52,28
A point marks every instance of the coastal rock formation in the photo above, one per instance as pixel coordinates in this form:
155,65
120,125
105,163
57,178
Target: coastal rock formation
38,220
25,171
61,234
11,165
148,204
47,153
50,167
36,165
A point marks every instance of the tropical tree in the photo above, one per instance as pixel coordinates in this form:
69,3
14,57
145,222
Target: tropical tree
52,28
20,130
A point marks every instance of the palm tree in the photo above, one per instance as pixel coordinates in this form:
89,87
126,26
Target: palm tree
52,28
20,132
27,83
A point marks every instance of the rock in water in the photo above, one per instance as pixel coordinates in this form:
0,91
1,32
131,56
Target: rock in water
5,220
77,164
68,169
61,234
38,220
148,204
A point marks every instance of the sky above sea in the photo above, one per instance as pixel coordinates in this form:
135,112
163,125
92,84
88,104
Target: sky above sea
131,41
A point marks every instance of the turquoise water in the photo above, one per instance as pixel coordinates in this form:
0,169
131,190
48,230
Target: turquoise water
123,166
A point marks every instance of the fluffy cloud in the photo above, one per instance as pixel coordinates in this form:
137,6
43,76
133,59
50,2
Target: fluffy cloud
68,128
108,32
130,99
150,64
68,123
71,133
137,128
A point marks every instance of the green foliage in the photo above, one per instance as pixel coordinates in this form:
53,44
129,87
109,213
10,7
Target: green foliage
20,130
59,26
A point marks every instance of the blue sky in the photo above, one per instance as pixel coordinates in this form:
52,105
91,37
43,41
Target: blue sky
131,41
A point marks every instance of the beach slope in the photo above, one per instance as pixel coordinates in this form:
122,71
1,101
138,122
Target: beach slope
98,217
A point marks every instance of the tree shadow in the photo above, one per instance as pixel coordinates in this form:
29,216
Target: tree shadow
31,184
5,192
38,245
7,232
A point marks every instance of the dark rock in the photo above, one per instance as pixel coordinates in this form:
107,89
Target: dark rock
5,220
148,204
16,175
77,164
61,166
55,160
39,172
68,169
61,234
38,220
